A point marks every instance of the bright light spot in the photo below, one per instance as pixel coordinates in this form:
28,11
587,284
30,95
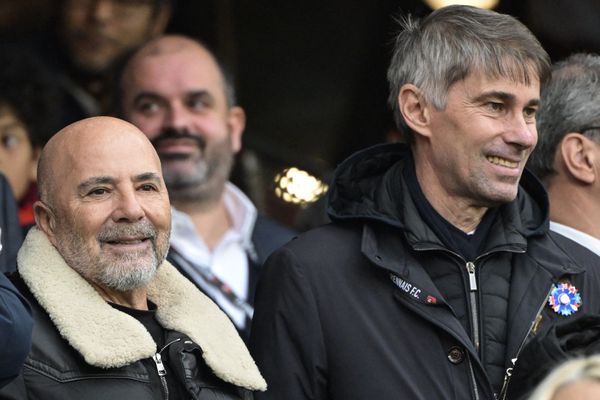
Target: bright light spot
435,4
299,187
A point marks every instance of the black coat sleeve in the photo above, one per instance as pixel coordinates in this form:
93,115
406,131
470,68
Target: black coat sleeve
15,331
286,338
11,234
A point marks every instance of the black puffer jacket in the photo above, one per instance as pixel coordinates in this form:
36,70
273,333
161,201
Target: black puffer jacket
349,311
85,349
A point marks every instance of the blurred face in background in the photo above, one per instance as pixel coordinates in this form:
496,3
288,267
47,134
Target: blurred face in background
96,33
18,158
177,98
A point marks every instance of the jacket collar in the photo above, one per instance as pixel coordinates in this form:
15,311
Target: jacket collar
108,338
367,187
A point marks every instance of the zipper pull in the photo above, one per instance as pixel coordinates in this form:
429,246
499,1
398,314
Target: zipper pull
472,279
159,364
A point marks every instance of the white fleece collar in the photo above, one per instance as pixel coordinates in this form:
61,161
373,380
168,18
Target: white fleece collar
108,338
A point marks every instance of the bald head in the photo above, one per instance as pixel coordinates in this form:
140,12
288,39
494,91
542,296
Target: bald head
168,46
104,204
80,141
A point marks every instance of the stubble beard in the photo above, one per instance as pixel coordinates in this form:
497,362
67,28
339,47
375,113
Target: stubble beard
122,273
206,182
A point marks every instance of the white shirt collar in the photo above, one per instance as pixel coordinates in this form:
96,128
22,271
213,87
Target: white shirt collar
242,212
239,207
582,238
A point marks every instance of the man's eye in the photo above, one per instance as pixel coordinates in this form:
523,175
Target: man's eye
98,192
9,141
529,113
495,107
148,188
196,104
148,107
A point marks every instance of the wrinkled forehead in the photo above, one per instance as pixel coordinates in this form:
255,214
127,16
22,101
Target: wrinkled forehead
113,153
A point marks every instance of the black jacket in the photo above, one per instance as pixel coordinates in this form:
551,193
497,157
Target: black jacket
11,235
85,349
349,311
15,330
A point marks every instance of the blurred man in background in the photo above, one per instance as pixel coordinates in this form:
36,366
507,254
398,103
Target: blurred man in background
176,92
93,36
567,157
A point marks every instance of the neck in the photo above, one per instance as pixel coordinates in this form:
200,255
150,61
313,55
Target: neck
136,298
575,206
457,210
211,222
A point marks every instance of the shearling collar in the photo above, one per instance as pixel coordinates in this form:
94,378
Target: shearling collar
108,338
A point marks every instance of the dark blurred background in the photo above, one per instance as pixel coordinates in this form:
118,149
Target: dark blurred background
311,74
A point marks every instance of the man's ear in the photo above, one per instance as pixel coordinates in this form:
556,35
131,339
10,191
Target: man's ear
579,157
44,219
236,121
414,109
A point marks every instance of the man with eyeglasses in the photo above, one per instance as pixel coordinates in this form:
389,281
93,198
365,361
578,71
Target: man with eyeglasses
93,35
567,158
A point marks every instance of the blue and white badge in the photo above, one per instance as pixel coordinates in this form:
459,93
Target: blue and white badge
565,299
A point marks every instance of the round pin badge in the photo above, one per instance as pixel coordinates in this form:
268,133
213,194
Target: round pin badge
564,299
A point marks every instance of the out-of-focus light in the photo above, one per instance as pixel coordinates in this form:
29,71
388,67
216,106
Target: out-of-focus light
294,185
435,4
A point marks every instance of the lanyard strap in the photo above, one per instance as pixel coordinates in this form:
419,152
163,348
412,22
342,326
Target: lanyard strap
214,281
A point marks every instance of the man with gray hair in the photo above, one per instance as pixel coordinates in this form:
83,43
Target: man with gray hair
567,158
438,266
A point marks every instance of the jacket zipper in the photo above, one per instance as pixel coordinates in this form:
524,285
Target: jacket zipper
162,371
475,314
473,295
474,308
473,381
508,373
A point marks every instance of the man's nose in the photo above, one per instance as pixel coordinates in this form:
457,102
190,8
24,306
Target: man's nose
128,207
179,118
522,132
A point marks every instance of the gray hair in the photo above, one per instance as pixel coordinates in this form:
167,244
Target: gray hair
453,41
570,102
572,371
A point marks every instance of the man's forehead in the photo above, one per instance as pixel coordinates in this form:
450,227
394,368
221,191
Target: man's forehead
515,75
478,82
188,68
109,152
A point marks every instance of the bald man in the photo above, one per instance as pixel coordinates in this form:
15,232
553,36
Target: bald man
111,317
176,92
